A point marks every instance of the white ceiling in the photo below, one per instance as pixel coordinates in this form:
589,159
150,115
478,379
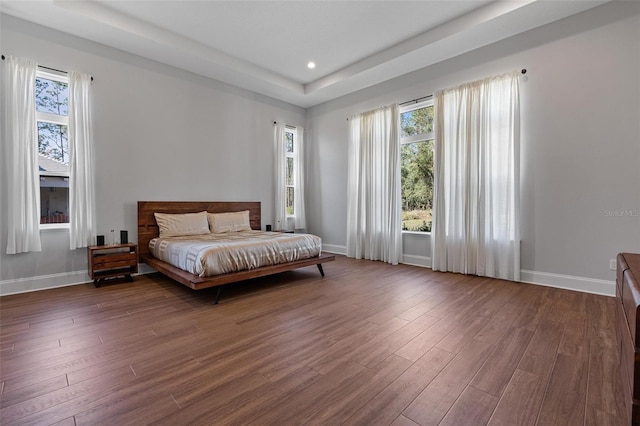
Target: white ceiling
264,46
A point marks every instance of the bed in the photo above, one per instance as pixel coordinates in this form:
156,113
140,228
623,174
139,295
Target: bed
148,231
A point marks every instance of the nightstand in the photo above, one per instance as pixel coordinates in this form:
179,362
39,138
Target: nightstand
117,260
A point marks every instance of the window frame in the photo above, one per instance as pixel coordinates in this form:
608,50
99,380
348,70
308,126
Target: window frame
421,137
61,120
287,155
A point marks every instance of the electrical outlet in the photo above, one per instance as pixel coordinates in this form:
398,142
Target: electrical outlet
612,264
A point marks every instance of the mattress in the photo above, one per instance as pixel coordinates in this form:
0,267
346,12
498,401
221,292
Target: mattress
214,254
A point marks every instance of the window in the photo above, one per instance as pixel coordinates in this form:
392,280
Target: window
289,147
416,169
289,212
52,116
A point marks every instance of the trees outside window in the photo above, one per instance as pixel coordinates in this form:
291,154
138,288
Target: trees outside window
52,116
416,156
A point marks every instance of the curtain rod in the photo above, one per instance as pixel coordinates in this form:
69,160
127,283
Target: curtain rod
52,69
286,125
415,101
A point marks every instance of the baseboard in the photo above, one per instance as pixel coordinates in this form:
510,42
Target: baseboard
569,282
44,282
414,260
407,259
331,248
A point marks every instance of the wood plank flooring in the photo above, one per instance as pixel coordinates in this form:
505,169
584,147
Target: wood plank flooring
369,344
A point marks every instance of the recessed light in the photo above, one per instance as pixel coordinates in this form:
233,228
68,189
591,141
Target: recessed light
311,65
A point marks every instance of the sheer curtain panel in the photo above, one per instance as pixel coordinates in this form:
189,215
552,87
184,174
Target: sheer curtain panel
20,146
280,178
82,216
298,180
477,179
373,193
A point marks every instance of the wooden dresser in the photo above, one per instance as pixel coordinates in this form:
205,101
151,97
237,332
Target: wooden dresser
628,330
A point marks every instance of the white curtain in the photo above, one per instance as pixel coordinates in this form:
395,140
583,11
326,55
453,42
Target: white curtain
20,143
82,216
373,188
280,212
298,180
477,179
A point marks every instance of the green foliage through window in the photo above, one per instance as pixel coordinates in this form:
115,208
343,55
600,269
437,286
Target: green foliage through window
417,169
290,200
289,172
288,141
417,121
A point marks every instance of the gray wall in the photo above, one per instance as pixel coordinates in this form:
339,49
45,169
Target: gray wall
160,134
166,134
580,110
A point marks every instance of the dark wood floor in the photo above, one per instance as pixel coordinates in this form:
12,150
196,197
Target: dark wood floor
369,344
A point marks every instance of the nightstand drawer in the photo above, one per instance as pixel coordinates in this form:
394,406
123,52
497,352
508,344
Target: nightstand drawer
104,260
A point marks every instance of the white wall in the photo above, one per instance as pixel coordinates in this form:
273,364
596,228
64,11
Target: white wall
160,134
580,112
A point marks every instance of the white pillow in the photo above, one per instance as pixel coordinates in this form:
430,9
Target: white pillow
175,225
229,222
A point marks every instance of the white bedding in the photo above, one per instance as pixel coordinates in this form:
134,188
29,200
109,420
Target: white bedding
215,254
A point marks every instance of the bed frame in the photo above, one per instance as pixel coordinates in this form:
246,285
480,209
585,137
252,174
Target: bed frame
148,229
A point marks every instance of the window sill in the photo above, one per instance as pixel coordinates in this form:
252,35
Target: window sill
53,226
416,233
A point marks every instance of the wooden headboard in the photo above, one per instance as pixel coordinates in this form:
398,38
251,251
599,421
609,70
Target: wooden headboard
148,229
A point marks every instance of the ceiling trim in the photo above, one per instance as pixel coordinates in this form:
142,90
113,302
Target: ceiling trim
489,23
452,27
146,30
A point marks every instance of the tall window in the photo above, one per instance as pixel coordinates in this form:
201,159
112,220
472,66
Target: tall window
416,156
289,212
52,116
290,146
